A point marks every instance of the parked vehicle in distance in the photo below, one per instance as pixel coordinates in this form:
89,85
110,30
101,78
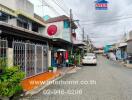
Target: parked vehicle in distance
89,58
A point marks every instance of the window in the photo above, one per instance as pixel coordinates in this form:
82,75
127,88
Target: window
3,17
66,24
35,27
21,22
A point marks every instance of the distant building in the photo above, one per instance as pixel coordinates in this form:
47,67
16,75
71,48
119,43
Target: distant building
129,42
46,17
107,48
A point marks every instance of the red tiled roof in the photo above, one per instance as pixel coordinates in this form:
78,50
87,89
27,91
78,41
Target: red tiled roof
57,19
61,18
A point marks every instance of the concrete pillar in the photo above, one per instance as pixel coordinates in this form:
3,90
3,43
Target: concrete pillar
49,57
10,57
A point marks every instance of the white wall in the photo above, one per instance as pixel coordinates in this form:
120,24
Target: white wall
129,35
66,34
13,21
41,30
9,3
49,58
61,32
23,5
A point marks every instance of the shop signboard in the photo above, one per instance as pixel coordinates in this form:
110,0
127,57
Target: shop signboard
101,5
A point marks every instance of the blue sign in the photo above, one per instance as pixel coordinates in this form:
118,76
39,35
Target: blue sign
101,5
107,48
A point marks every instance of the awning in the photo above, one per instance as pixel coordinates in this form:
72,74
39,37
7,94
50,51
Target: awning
63,50
8,29
20,12
80,44
122,45
7,10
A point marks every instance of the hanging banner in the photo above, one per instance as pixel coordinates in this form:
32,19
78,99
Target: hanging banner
101,5
66,55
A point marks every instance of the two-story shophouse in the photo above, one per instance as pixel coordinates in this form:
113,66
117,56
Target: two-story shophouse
62,31
22,41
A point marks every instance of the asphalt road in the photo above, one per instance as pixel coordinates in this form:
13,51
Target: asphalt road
109,81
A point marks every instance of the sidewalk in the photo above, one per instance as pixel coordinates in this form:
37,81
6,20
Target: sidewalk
124,64
128,65
36,83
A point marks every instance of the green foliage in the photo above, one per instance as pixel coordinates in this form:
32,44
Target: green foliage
50,68
10,81
3,63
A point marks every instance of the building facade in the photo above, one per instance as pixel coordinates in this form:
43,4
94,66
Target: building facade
129,47
62,32
22,42
26,40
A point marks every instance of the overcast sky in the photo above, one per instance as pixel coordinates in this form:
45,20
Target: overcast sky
103,27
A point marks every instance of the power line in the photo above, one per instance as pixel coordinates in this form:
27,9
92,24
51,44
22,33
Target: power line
46,4
108,21
62,3
60,7
106,18
104,37
109,37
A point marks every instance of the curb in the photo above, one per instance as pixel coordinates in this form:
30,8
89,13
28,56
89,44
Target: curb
40,88
128,66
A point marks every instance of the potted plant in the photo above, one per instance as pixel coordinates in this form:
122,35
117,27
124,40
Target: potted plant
50,69
10,82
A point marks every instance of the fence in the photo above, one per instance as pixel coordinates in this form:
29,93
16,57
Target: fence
3,53
32,58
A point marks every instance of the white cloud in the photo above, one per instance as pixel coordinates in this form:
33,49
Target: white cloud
106,24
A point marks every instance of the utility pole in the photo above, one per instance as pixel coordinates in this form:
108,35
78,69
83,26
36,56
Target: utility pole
83,35
87,44
71,18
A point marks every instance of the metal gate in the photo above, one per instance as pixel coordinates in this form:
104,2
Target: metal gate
32,58
3,52
19,54
39,58
45,58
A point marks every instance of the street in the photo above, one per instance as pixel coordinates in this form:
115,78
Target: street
113,82
65,50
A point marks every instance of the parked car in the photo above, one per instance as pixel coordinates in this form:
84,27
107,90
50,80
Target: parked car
89,58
